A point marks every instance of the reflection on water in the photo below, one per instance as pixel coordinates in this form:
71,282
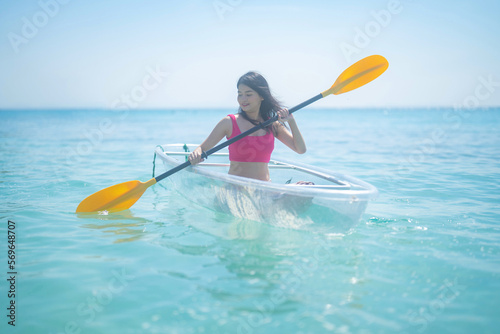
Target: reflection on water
123,225
262,271
241,275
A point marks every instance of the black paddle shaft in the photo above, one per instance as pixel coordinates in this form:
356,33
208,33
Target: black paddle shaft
238,137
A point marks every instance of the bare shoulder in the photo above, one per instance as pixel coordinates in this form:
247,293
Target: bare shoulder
278,127
225,125
226,122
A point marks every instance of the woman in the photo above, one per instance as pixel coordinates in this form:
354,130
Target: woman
250,155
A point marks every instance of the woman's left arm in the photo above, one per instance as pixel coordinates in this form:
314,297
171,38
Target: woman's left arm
291,139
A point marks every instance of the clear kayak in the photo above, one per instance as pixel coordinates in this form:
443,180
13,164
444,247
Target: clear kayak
334,201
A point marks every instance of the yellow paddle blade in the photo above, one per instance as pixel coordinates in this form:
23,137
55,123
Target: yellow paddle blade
115,198
358,74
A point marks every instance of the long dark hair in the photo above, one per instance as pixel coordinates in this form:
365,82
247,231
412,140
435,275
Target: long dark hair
269,106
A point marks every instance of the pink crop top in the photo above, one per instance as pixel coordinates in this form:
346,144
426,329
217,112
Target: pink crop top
250,148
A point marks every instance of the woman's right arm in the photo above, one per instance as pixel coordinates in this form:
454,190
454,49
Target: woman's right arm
221,130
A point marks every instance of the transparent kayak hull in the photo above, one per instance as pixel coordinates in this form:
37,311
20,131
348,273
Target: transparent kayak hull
335,201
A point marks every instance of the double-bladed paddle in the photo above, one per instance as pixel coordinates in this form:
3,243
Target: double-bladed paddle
123,195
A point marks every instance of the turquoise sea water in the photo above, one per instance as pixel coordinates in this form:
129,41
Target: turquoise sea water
423,259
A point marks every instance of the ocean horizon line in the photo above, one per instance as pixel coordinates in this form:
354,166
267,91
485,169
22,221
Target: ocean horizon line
169,109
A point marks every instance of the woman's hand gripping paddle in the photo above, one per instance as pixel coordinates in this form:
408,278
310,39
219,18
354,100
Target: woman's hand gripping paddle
122,196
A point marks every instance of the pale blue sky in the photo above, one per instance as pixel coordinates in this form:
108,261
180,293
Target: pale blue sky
100,54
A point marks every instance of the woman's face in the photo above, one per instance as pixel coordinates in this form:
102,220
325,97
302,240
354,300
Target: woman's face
248,99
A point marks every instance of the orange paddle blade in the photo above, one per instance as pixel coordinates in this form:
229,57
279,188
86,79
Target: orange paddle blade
115,198
358,74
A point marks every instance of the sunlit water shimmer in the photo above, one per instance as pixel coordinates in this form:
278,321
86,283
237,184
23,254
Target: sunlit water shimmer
423,259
